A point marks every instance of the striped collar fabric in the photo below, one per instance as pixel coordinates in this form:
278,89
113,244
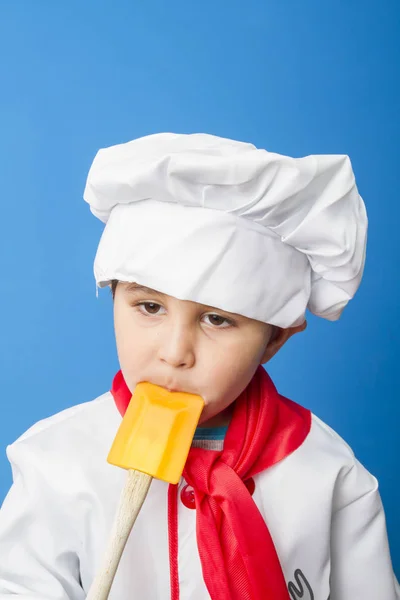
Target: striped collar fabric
210,433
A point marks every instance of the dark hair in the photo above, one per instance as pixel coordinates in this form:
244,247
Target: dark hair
114,284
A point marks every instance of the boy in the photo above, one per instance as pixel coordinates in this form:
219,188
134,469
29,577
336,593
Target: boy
214,250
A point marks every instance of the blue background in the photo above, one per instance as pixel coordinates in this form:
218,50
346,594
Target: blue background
294,77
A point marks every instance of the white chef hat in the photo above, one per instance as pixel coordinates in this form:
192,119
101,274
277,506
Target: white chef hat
225,224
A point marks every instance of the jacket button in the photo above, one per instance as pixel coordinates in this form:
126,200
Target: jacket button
251,486
187,497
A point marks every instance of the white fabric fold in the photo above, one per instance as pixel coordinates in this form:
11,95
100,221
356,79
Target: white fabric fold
225,224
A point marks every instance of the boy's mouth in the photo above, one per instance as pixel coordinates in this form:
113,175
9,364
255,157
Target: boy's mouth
170,387
176,389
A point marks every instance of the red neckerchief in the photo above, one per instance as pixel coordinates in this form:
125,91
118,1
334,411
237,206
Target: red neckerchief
237,553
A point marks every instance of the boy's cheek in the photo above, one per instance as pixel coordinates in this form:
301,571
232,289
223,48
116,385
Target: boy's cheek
132,370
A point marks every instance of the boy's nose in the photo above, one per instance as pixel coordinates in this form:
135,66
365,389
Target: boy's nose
176,348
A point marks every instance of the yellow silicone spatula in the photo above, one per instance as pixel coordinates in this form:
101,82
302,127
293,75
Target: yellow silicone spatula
153,440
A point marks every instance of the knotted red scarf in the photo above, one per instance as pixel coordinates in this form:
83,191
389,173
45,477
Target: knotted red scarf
237,553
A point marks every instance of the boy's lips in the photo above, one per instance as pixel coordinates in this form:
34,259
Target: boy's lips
171,387
177,388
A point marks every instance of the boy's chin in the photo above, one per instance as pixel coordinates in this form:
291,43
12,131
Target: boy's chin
216,419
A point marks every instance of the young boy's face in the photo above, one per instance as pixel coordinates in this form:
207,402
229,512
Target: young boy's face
186,346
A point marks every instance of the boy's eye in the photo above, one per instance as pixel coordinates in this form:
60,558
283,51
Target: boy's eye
218,321
149,308
152,308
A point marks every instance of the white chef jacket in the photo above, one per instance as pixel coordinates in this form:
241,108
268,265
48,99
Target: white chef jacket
321,506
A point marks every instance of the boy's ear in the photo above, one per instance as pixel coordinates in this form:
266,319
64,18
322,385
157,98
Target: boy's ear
279,338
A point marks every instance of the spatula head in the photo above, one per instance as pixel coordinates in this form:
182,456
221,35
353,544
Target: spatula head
156,432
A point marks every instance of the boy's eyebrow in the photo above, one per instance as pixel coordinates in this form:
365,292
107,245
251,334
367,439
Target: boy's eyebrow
136,287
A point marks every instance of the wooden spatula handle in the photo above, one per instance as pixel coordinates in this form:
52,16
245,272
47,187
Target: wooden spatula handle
132,497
